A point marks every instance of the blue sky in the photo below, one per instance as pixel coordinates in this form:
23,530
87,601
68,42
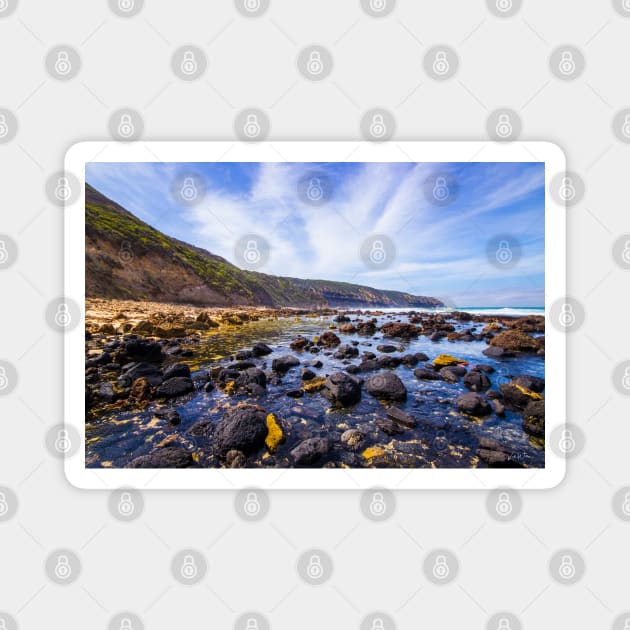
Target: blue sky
441,251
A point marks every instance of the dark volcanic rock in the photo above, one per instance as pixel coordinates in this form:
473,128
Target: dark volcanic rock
284,363
495,352
252,376
329,340
386,386
473,404
243,428
345,351
389,426
168,457
386,348
176,386
388,361
309,451
139,350
410,360
132,371
141,390
534,418
342,389
352,439
261,349
177,369
425,374
515,340
516,396
398,329
476,381
308,375
394,413
299,344
449,374
532,383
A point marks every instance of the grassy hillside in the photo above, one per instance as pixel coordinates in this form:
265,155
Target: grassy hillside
128,259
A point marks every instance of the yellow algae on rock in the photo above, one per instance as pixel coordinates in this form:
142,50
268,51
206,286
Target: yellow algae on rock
230,387
314,385
444,360
372,452
275,436
528,392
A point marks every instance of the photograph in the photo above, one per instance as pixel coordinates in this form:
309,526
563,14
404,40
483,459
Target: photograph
315,315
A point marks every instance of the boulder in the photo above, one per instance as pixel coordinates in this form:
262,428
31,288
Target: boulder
494,352
449,374
284,363
352,439
329,340
516,396
477,381
534,418
309,451
423,374
532,383
342,389
168,457
445,360
401,417
387,348
346,351
473,404
176,386
133,371
515,340
176,369
242,428
141,390
399,329
386,386
260,349
299,344
251,376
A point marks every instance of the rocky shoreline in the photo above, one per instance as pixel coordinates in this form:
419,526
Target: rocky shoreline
185,386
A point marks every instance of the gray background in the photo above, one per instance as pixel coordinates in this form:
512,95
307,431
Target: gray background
378,63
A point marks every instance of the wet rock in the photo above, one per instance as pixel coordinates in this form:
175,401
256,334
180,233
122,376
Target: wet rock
473,404
345,351
176,386
132,371
387,348
227,375
315,363
241,365
141,390
401,330
235,459
168,457
515,340
307,374
476,381
243,428
532,383
495,352
314,385
284,363
386,386
202,428
309,451
534,418
295,393
398,415
177,369
423,374
243,355
437,336
299,344
348,329
342,389
341,318
449,375
204,318
493,394
388,362
389,426
260,349
353,369
329,340
497,455
516,396
252,376
105,393
208,387
367,355
499,407
446,360
421,356
369,365
352,439
366,328
410,360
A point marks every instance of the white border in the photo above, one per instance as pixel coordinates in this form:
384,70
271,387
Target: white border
328,151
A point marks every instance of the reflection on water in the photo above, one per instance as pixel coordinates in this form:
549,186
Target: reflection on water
443,438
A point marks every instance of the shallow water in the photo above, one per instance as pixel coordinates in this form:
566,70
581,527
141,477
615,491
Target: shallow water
443,438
